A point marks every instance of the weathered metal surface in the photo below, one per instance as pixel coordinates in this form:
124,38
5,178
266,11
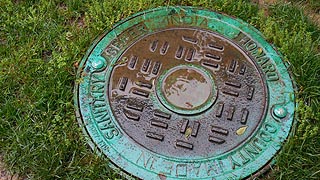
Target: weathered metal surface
181,92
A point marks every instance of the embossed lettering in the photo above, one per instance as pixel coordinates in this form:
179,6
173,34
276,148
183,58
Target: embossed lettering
257,143
123,39
178,19
181,170
146,160
238,159
168,166
196,167
102,145
270,128
213,168
259,56
252,149
111,133
100,109
265,136
234,163
96,78
244,159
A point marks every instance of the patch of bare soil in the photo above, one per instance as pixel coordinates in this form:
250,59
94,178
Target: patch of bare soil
314,15
6,175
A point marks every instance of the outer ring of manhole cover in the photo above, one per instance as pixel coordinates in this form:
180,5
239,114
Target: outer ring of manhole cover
184,93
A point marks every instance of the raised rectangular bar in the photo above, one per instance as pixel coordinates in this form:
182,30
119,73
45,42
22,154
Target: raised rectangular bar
184,144
155,136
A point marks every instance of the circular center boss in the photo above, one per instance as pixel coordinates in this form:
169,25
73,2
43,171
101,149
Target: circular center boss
184,93
187,92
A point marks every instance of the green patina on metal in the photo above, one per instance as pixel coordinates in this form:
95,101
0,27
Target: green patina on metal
199,149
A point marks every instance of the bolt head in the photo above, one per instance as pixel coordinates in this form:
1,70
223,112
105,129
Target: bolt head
98,63
280,111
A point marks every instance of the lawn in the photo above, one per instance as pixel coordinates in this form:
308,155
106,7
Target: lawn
41,43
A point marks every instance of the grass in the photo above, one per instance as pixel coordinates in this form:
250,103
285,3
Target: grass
312,4
42,41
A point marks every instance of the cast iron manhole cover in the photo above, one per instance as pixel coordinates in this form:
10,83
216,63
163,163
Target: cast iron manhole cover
185,93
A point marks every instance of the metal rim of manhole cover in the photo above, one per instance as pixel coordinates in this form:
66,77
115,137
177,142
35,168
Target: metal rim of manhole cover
184,93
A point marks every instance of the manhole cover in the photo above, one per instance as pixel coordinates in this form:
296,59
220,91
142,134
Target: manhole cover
185,93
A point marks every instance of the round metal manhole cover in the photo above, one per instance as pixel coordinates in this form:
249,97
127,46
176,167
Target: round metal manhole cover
184,93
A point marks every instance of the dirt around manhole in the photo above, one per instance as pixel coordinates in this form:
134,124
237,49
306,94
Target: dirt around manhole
313,14
5,174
